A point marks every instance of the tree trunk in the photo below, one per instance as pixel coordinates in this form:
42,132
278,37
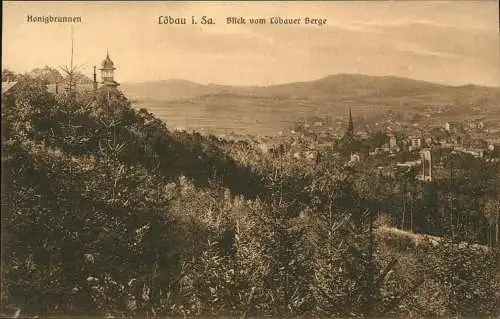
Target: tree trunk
368,307
404,211
496,231
411,214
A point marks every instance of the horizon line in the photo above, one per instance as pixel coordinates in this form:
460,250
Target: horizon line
312,80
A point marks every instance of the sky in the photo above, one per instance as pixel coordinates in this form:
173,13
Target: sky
453,43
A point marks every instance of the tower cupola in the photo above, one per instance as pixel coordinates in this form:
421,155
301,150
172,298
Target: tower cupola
107,72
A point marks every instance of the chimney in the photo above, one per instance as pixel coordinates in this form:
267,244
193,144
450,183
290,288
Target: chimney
95,79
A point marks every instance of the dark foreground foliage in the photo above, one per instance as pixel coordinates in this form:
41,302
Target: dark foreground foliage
105,211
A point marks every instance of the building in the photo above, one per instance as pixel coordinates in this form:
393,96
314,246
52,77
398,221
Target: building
363,135
7,92
107,73
392,142
355,157
425,158
479,153
7,86
410,163
348,143
474,124
349,135
415,143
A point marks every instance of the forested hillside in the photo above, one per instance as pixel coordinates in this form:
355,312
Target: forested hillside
106,211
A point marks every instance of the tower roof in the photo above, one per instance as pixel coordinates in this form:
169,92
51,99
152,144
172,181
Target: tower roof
107,63
348,141
350,126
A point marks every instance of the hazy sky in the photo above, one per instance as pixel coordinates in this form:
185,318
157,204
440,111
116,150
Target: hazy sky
444,42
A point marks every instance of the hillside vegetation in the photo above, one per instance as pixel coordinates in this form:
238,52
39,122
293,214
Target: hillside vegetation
106,211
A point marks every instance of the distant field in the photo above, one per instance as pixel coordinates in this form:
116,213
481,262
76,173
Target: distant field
244,117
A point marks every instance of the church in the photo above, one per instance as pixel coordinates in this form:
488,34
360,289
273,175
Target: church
349,144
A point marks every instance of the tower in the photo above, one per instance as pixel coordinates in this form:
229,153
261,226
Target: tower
392,142
349,134
107,72
350,126
425,157
95,79
348,143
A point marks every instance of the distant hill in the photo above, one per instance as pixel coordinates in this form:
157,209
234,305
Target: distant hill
327,87
268,109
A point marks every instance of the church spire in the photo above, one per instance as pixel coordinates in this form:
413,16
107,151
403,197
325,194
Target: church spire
350,127
348,143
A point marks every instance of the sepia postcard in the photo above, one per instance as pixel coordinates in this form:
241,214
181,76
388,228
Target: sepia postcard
250,159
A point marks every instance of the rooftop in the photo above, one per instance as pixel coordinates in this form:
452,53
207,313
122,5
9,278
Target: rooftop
107,63
7,86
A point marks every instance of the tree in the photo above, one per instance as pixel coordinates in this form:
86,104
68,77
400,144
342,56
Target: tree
466,276
8,75
47,75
